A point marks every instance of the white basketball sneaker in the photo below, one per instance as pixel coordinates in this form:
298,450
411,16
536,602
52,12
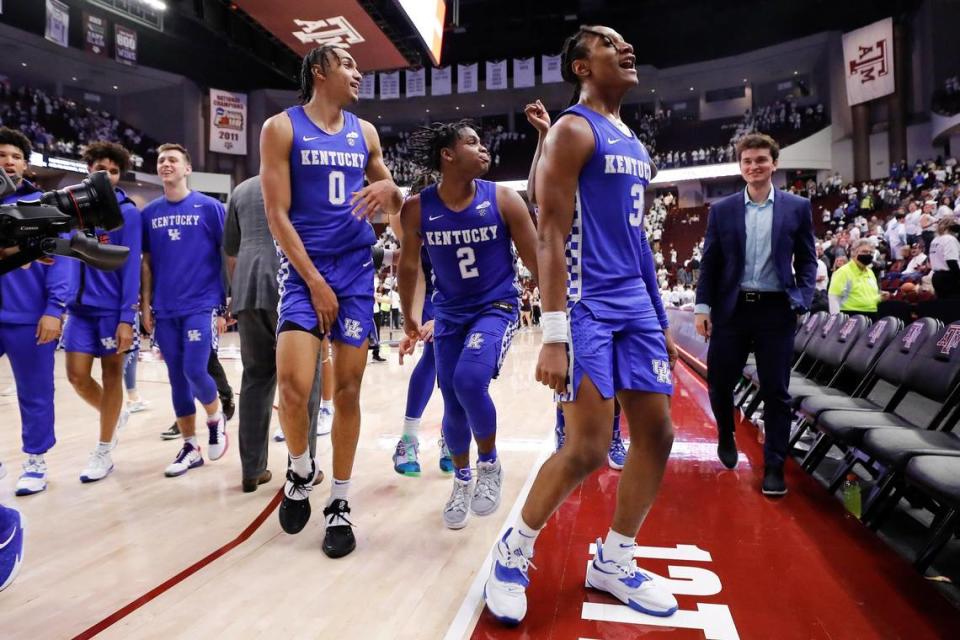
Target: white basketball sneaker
34,476
324,421
505,592
136,406
278,435
99,466
456,513
188,458
629,584
218,443
486,495
121,423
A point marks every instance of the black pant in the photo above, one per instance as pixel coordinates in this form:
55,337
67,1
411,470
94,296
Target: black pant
946,284
767,329
215,369
258,351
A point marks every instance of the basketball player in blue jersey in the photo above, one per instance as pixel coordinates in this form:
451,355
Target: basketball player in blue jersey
539,117
181,286
604,329
103,311
314,159
468,227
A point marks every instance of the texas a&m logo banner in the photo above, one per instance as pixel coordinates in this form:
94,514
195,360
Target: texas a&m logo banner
868,62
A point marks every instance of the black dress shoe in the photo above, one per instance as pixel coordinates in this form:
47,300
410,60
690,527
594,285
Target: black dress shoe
228,406
338,540
295,507
250,484
727,449
773,482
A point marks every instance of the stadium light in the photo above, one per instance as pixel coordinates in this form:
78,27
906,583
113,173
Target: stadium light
156,5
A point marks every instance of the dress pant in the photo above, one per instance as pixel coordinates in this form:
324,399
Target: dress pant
258,351
765,327
215,369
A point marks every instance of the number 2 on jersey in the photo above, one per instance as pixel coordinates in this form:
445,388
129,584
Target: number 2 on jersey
338,187
467,257
636,218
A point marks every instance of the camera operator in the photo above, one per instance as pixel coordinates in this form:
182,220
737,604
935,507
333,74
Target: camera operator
102,309
32,303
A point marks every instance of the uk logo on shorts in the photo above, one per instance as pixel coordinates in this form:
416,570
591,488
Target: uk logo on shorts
661,369
194,335
475,341
174,234
352,328
108,343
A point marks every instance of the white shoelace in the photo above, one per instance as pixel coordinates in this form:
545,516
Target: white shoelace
488,483
458,499
34,464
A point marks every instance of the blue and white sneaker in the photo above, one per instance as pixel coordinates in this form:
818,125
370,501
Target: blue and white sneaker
405,460
99,466
188,458
12,527
34,477
505,592
630,585
560,429
278,435
324,421
446,462
617,455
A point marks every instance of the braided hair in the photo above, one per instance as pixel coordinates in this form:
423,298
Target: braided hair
426,144
575,48
317,56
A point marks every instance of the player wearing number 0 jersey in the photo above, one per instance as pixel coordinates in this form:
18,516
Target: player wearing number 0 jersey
315,158
468,227
604,330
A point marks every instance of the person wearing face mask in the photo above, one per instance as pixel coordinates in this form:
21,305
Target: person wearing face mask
853,288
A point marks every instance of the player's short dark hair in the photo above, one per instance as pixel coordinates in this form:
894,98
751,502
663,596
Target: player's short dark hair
316,56
16,139
758,141
427,142
103,149
173,146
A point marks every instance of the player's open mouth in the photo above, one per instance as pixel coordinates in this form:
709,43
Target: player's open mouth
630,62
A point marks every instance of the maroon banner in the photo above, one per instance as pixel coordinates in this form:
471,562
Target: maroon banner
95,34
125,45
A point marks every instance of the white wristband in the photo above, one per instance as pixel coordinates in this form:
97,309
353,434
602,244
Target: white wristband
554,327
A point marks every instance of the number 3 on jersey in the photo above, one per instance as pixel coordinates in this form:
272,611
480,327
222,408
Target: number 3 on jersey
338,187
636,218
467,257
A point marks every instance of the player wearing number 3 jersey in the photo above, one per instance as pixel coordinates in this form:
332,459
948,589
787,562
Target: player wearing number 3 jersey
314,160
467,226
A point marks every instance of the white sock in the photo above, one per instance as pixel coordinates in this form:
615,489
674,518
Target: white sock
192,440
523,537
104,447
327,404
411,426
301,464
214,417
338,490
617,547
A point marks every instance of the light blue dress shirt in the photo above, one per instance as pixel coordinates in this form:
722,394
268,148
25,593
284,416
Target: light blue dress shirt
759,274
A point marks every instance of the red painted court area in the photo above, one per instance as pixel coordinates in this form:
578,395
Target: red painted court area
741,565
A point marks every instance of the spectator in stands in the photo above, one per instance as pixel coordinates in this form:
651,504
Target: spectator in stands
918,261
945,259
853,287
946,208
896,234
823,278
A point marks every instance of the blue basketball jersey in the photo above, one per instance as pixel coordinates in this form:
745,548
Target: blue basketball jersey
470,251
605,249
325,170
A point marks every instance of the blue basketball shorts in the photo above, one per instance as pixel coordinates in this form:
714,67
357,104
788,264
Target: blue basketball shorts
618,354
485,338
350,275
95,334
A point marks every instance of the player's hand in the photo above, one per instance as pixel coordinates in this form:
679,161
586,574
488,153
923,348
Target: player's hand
406,347
552,366
672,352
48,329
411,328
148,321
426,331
537,116
704,326
380,196
221,325
325,303
124,337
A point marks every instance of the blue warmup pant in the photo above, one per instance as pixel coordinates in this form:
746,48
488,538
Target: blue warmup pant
469,355
422,381
185,343
32,366
130,369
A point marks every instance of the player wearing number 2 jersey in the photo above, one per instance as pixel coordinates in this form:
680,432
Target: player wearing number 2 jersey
467,226
314,160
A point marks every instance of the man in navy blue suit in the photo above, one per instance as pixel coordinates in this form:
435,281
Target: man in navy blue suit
758,273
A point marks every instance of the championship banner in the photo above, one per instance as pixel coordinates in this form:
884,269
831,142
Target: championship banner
868,62
416,82
440,81
125,45
497,75
467,78
390,85
523,72
368,86
551,69
228,122
94,34
58,22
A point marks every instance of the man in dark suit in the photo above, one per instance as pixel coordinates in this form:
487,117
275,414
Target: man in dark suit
758,272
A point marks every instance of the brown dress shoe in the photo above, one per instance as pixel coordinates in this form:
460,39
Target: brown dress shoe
250,484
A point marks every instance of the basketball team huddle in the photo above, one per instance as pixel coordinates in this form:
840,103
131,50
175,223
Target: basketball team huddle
606,344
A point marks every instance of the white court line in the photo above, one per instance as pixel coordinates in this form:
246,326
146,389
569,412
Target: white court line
469,611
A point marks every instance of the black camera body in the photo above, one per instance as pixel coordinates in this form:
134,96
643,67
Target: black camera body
37,228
